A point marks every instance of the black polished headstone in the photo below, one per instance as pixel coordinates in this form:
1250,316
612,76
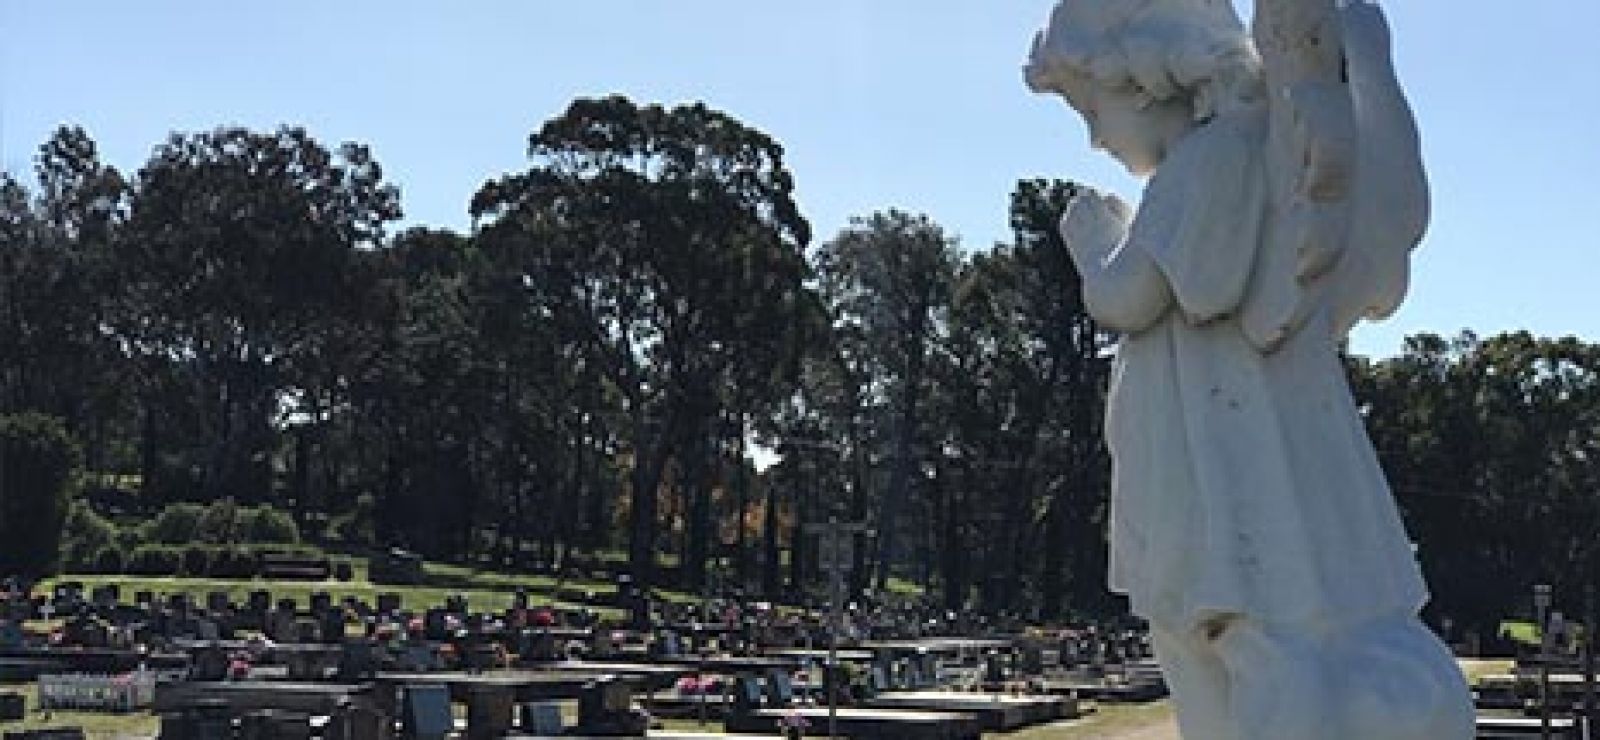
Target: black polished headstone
208,663
332,625
106,595
435,626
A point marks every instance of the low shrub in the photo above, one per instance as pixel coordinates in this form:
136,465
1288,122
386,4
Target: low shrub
83,534
110,560
154,560
196,561
266,525
233,561
176,524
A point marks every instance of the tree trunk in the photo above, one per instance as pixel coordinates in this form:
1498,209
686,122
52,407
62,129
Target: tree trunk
798,552
741,487
698,531
894,498
647,466
771,571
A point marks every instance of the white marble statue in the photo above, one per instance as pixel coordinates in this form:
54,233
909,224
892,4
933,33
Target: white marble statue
1251,524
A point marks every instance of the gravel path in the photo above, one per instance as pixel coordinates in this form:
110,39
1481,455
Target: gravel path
1167,730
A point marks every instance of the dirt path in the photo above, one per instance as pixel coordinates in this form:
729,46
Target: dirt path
1165,730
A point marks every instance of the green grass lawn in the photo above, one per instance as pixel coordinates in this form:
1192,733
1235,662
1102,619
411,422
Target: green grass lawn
95,724
1106,721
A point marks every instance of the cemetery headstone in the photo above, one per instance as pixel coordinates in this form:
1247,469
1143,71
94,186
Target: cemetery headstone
600,643
10,633
357,661
779,689
332,625
364,723
746,695
13,708
880,678
1031,661
418,656
489,710
605,707
539,646
280,625
435,625
541,719
427,712
208,663
106,595
994,668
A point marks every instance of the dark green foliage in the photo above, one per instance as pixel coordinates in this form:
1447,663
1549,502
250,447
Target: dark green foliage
1492,446
176,524
195,561
266,526
154,560
111,560
357,527
233,561
38,462
221,523
85,535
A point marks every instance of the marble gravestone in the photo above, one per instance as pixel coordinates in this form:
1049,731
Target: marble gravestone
1251,524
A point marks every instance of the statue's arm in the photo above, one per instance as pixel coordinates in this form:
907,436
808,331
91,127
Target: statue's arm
1123,288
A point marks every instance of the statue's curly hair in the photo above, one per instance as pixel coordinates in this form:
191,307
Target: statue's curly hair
1195,51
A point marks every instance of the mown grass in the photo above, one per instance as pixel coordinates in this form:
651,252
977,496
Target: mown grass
1106,721
95,724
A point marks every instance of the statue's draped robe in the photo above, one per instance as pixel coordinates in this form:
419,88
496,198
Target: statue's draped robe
1244,483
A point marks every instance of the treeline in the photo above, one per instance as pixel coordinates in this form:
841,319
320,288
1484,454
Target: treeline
1493,449
638,356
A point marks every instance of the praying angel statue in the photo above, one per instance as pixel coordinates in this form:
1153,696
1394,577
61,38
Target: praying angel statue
1251,524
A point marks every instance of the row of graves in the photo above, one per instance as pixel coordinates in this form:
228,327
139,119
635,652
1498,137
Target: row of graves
271,667
1550,692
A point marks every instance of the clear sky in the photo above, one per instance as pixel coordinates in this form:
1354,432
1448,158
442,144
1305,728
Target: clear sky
880,103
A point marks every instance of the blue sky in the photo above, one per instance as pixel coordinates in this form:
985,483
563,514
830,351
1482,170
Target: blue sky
880,103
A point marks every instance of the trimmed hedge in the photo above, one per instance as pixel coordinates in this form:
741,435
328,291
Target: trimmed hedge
195,560
154,560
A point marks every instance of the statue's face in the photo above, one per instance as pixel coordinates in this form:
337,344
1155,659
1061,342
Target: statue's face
1129,127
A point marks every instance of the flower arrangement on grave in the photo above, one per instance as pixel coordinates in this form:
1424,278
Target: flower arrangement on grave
239,667
793,724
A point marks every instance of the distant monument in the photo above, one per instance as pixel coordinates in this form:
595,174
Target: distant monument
1251,524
